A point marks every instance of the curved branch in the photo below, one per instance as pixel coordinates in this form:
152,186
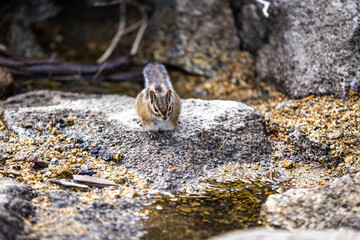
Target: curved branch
118,34
141,31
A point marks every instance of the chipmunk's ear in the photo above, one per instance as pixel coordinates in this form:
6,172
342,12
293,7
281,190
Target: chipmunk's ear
152,96
168,95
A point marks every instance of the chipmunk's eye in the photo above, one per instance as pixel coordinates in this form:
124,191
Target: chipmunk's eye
170,108
156,109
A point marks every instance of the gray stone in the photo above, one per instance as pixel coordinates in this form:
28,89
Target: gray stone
12,188
334,206
262,234
335,135
99,220
14,205
313,47
197,36
118,220
312,148
210,134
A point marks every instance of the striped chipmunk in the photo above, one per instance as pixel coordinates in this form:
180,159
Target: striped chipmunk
158,105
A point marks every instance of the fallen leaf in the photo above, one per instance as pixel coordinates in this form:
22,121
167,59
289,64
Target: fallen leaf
69,184
93,181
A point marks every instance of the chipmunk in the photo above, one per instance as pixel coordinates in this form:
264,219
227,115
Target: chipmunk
158,105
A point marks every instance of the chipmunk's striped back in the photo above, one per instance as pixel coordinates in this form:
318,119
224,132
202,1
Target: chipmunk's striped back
156,74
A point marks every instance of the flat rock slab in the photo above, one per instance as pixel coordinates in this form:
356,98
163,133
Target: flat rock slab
210,133
262,234
333,206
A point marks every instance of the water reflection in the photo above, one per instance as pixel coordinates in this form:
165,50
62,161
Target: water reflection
221,208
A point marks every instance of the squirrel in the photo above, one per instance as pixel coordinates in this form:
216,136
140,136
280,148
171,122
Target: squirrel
158,105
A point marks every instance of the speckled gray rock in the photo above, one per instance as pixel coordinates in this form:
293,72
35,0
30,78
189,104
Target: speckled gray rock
210,134
197,36
312,149
334,206
118,220
313,47
262,234
14,204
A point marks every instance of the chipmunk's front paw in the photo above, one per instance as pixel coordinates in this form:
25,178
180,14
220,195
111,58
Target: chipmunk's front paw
153,135
139,122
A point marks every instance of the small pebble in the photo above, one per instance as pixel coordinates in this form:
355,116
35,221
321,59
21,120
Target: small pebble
335,135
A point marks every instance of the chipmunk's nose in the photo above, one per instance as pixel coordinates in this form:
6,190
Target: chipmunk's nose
164,115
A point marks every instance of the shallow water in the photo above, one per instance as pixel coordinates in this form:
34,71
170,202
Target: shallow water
219,209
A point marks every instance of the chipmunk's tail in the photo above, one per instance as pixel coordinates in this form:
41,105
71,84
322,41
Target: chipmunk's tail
155,73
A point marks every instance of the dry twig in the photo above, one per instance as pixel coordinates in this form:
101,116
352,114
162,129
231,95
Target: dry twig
106,4
141,31
56,70
62,71
7,173
118,35
120,32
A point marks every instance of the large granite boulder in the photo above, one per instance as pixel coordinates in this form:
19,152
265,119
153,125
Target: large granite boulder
196,36
313,47
210,135
333,206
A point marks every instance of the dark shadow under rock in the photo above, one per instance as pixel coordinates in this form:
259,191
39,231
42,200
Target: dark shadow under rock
17,17
253,27
6,83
